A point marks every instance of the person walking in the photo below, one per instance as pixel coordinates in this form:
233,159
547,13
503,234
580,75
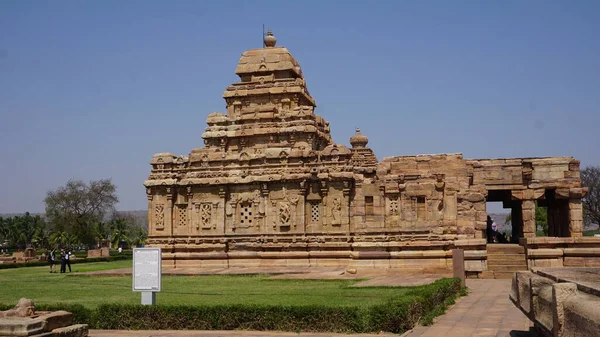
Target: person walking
63,260
52,260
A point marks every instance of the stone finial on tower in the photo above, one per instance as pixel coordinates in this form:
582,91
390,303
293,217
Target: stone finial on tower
270,40
359,140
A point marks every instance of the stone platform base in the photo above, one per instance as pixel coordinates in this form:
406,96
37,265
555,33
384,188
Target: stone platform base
426,256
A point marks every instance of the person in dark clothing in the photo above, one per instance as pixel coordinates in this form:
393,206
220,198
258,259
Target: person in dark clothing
488,230
69,260
63,260
52,260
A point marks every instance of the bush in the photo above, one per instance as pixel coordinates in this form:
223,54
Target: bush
396,315
229,317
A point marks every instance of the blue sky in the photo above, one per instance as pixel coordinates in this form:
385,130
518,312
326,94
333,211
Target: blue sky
91,89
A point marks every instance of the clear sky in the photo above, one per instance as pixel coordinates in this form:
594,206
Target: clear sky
91,89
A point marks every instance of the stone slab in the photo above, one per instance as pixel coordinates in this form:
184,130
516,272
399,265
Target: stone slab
587,279
21,326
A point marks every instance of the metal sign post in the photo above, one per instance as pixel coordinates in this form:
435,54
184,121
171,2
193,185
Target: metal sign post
147,270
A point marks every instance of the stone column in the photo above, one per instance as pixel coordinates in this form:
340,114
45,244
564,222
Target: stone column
220,213
150,196
169,212
575,218
528,216
516,222
190,212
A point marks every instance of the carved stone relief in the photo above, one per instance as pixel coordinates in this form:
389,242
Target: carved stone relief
159,216
336,211
206,215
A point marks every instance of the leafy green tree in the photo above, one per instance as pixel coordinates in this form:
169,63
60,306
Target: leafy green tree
59,239
541,218
76,207
590,178
119,231
138,237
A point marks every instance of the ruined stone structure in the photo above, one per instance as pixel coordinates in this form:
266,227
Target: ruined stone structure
271,187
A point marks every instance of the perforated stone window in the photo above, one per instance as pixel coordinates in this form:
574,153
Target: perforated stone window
314,212
246,216
182,215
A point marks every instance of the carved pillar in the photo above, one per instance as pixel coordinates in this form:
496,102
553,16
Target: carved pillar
220,215
528,216
190,212
301,219
326,220
150,196
575,218
169,211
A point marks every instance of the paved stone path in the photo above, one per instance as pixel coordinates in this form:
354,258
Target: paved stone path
486,312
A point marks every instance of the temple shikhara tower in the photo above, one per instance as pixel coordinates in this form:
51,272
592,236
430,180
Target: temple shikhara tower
271,187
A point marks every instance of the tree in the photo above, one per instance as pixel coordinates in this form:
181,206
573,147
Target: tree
590,178
541,218
137,237
77,207
118,231
22,230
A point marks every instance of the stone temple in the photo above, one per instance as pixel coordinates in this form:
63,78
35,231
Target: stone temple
271,187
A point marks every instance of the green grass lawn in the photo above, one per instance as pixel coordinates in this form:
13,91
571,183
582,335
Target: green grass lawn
45,288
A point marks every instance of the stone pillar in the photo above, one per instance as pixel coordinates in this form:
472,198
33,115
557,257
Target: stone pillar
516,222
169,211
528,216
220,213
150,196
575,218
190,213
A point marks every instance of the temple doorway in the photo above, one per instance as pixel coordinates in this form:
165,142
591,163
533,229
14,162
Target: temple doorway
501,202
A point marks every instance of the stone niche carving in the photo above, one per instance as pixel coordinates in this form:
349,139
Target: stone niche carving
245,210
159,216
206,215
336,211
284,206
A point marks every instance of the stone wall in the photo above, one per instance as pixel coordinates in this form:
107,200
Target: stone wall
562,252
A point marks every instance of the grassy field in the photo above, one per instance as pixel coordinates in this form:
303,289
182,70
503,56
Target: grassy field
46,288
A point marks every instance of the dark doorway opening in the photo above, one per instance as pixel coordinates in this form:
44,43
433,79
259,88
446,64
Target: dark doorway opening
557,214
516,218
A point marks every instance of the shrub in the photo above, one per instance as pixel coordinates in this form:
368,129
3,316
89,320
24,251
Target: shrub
396,315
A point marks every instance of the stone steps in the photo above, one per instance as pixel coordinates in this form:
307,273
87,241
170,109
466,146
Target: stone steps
511,268
504,260
506,248
496,275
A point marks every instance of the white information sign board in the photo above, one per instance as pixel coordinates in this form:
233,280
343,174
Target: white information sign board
147,269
